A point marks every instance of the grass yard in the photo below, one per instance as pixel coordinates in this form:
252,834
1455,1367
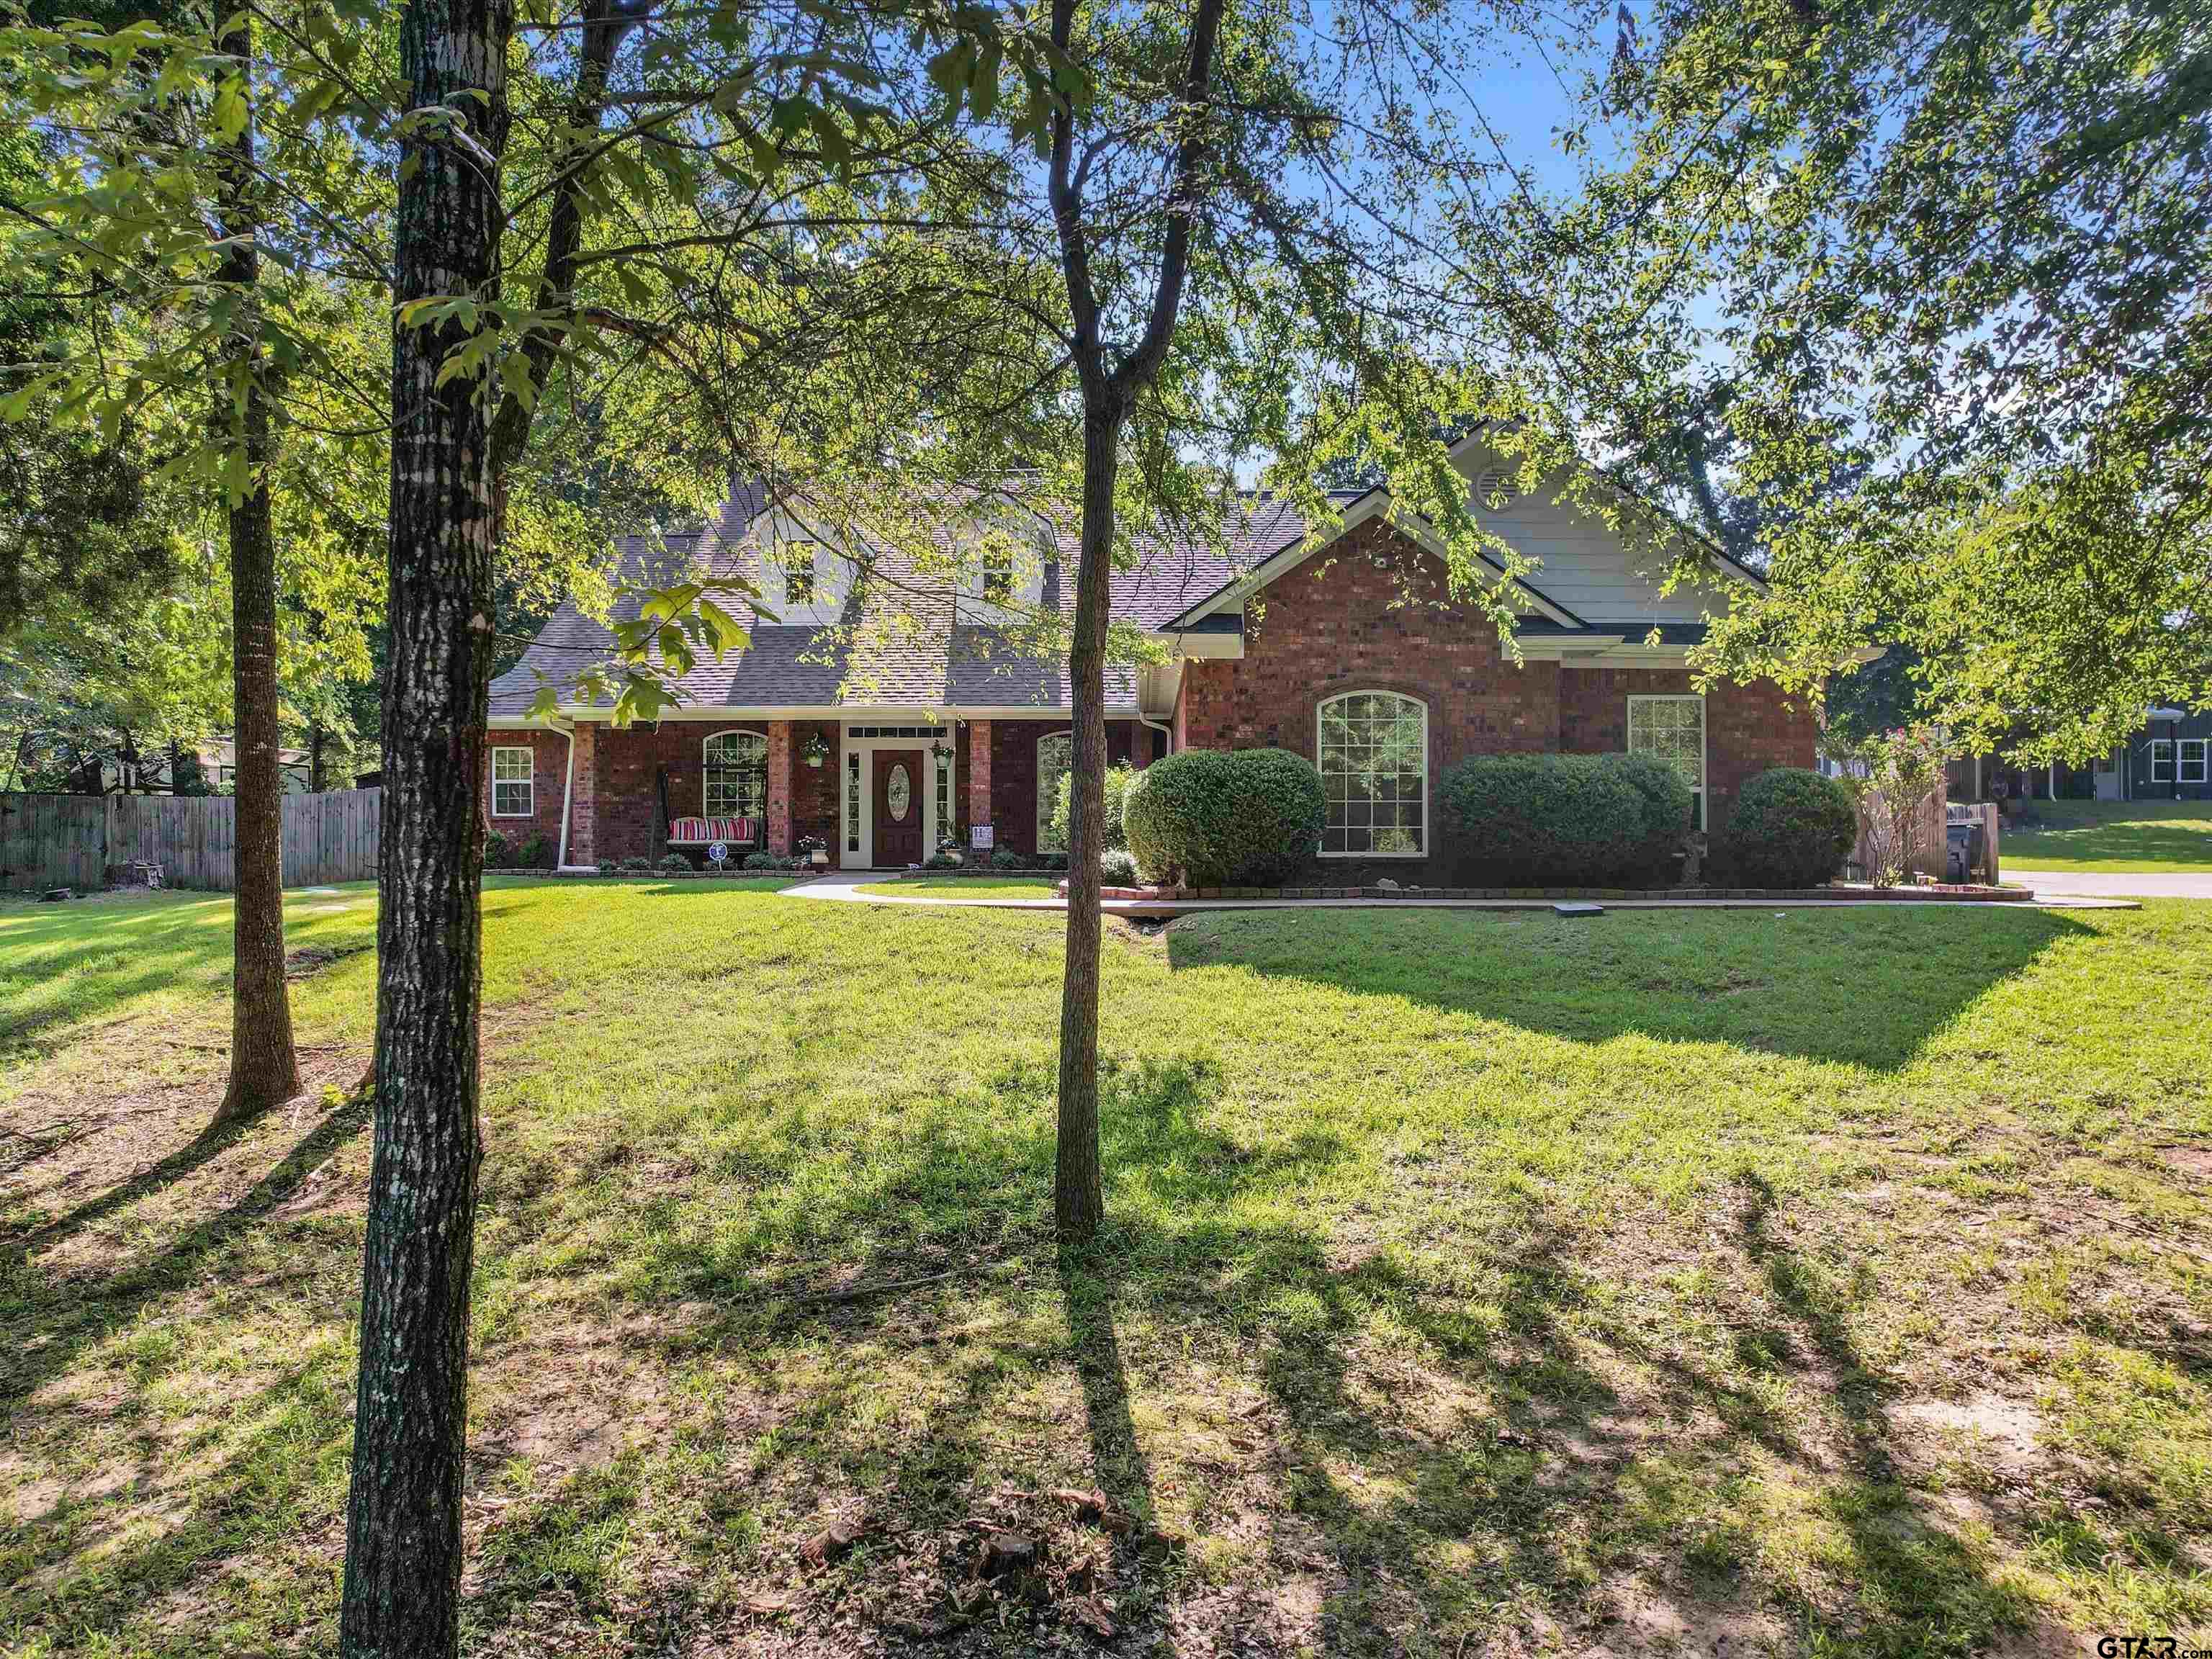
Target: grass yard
2129,837
1807,1283
968,886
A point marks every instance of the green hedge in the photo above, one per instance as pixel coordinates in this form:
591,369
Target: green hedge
1790,828
1115,786
1559,820
1249,817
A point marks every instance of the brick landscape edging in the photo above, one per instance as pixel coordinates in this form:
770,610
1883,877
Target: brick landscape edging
1953,892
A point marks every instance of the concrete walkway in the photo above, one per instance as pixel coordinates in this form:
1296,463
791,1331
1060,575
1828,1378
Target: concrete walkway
2097,883
844,886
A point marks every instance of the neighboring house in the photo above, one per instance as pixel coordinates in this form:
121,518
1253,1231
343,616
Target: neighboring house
1341,644
218,763
2169,757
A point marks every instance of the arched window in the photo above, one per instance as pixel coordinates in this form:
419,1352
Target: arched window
1055,758
735,775
1373,751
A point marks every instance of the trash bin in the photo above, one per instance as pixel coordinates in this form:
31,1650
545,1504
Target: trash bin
1963,851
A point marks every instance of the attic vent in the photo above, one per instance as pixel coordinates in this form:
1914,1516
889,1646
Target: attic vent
1493,483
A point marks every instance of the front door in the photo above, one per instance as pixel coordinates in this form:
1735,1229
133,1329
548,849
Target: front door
898,808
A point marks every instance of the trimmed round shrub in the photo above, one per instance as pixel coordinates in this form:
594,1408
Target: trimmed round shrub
496,851
635,865
1790,828
606,866
1545,820
1667,800
675,861
1005,858
1116,867
1249,817
762,861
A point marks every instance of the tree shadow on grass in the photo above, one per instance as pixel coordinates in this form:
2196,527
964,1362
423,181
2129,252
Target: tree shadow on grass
256,1462
210,1143
56,1322
1527,1452
1861,986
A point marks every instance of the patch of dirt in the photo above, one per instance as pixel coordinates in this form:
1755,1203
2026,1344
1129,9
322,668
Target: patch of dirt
2190,1160
570,1395
314,958
1641,1618
2003,1431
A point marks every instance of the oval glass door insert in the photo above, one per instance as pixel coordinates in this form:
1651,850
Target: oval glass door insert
898,794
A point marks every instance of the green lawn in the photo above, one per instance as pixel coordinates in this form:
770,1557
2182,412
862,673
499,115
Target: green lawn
969,886
2132,837
1820,1282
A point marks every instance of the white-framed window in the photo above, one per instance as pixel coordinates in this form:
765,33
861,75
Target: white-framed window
2161,760
2193,759
801,562
733,776
1673,728
944,797
514,782
1055,758
1372,748
998,575
852,800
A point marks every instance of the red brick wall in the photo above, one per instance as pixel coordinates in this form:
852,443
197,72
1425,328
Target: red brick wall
1372,615
814,791
549,770
976,763
617,810
1369,616
1013,780
1749,728
584,795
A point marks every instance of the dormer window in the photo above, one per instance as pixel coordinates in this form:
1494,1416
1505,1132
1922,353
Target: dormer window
798,562
998,575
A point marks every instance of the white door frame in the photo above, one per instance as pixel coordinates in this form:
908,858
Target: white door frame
864,857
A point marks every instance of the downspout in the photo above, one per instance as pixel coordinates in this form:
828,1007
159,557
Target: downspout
568,784
1162,730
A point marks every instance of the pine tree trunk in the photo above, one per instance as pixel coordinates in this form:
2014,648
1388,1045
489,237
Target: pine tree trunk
1079,1200
263,1070
404,1529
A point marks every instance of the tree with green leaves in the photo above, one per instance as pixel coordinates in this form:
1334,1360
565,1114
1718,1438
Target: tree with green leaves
173,194
1951,254
1236,235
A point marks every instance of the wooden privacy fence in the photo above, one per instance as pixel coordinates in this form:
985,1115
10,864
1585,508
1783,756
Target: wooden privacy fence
77,841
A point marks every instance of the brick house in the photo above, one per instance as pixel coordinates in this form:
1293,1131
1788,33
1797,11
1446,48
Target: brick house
885,726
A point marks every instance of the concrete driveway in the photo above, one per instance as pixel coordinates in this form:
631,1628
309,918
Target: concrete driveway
2071,884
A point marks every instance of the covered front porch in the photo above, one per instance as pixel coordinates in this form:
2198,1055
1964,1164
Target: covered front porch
881,792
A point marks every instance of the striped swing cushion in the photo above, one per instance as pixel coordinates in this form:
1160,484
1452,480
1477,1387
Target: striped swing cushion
700,832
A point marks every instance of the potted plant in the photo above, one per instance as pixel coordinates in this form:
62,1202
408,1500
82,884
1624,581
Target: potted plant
813,849
816,749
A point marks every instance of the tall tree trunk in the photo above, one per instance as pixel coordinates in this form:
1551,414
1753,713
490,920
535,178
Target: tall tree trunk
263,1070
404,1527
318,740
1109,393
1077,1195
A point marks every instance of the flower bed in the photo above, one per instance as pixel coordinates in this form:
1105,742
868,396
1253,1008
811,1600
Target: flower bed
1776,894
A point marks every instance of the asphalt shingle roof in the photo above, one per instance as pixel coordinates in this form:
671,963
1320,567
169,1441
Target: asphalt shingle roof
908,642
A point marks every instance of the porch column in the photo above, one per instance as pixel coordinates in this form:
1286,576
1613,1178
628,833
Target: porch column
979,773
779,787
584,795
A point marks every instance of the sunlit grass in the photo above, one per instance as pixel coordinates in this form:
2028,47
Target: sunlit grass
1833,1281
2131,837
